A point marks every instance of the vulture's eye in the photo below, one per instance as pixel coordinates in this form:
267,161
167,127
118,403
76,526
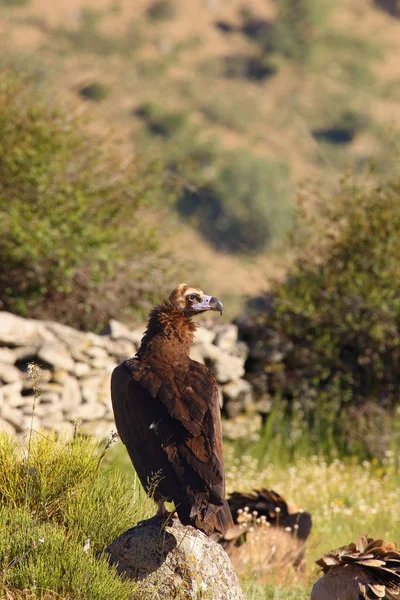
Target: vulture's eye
192,297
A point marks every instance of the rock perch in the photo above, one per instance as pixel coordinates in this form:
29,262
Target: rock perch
174,561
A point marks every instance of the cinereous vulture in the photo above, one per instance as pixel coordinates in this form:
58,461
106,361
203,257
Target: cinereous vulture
268,506
366,570
167,413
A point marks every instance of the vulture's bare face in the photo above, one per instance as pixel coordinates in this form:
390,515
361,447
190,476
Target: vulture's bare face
192,300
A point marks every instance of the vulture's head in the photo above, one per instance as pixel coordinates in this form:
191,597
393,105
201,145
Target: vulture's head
192,300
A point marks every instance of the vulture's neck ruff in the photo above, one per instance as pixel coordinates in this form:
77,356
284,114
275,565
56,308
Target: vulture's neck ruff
169,334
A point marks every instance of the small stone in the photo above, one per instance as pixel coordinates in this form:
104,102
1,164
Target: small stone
26,404
71,395
47,404
16,400
57,355
6,427
12,416
226,336
224,366
51,387
93,379
10,390
26,353
81,369
204,336
117,330
67,336
103,363
9,373
90,395
122,349
91,412
238,397
7,356
96,352
97,340
21,332
60,376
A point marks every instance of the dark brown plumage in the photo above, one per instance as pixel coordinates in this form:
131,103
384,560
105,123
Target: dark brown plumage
267,536
167,413
269,504
366,570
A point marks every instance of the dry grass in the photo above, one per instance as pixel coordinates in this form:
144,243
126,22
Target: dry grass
346,500
269,551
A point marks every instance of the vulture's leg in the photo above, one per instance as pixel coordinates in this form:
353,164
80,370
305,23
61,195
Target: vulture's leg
162,512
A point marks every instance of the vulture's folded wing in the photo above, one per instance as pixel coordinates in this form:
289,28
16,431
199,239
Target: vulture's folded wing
191,433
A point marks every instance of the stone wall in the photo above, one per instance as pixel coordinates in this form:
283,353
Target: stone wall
76,369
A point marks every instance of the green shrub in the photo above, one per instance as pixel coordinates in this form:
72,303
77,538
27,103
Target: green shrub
147,110
95,91
161,10
298,28
299,25
70,213
256,66
343,128
245,207
336,321
54,500
160,122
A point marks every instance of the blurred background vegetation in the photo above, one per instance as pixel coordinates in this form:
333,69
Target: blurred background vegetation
253,143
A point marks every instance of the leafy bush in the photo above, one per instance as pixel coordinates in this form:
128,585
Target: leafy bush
330,347
95,91
245,207
344,128
69,211
299,25
161,122
57,510
248,66
161,10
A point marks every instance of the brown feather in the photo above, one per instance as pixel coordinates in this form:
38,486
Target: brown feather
265,503
363,571
167,414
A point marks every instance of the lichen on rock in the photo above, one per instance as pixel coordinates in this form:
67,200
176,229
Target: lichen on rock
171,561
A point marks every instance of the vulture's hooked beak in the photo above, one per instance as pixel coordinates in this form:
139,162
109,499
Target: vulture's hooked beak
209,303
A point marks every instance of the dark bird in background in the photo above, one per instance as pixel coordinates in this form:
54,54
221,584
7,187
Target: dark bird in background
366,570
275,510
267,535
167,413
